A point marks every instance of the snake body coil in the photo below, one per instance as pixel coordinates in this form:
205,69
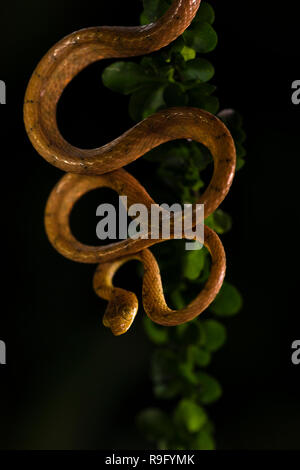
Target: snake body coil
94,168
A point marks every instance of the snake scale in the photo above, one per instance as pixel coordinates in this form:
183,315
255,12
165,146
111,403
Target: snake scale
88,169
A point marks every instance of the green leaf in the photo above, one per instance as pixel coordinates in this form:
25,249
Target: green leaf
202,441
146,101
164,365
144,19
205,13
239,135
154,9
197,69
174,96
206,269
200,155
215,334
240,150
240,162
198,355
228,301
154,424
125,77
189,415
201,37
209,388
219,221
177,46
186,370
188,53
208,103
156,68
177,300
233,120
193,263
167,391
164,373
157,334
188,333
169,151
201,89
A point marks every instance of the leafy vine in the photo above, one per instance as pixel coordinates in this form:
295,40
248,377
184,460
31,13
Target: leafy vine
179,75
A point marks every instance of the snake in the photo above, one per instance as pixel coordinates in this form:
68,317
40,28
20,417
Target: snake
88,169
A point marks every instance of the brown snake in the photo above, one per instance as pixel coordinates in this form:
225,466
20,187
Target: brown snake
91,169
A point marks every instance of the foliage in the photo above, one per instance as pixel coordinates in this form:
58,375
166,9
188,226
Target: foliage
178,76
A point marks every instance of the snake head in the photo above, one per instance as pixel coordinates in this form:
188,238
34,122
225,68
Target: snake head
121,311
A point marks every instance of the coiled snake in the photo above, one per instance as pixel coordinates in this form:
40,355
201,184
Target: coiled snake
90,169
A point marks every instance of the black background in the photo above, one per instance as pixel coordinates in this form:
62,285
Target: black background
68,383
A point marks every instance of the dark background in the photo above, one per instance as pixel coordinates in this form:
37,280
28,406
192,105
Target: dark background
68,383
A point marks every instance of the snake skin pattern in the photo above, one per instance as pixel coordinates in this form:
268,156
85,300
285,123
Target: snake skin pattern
88,169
